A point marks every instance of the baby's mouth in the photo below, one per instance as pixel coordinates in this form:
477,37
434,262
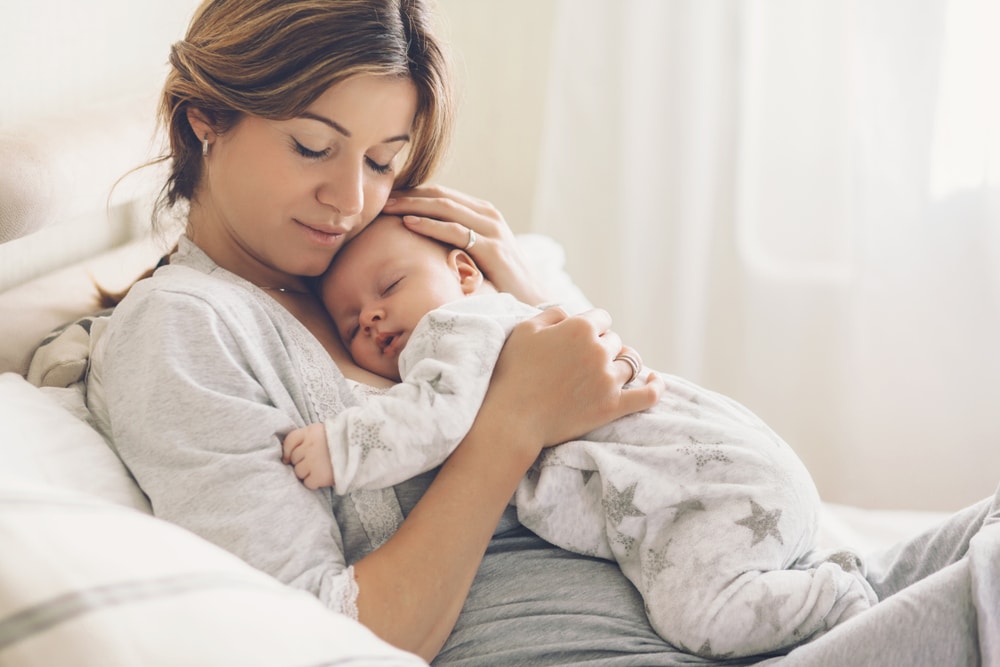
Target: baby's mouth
385,341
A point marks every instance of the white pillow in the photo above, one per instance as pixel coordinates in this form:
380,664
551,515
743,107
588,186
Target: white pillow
44,440
87,582
31,311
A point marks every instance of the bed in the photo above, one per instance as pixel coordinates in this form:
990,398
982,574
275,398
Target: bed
87,575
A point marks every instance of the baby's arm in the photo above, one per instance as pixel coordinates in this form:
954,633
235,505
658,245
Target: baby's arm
417,423
305,449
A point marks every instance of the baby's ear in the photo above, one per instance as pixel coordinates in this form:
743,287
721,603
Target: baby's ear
470,278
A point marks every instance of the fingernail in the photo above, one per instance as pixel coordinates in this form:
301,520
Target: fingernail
390,201
411,219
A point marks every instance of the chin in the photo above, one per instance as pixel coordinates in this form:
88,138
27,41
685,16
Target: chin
316,266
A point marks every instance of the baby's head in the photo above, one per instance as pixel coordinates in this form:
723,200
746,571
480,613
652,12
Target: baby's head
382,282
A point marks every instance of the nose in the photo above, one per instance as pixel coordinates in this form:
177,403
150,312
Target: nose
370,316
343,187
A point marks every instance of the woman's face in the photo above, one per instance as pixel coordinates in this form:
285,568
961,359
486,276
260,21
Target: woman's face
280,198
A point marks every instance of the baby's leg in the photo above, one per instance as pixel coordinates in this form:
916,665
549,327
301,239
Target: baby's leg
560,500
717,581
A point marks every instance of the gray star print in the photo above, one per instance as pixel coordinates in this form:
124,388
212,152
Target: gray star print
626,541
769,607
685,507
369,437
706,650
438,328
655,562
762,522
438,387
539,517
618,504
704,454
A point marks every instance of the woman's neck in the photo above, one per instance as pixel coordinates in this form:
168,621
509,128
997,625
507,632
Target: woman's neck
227,251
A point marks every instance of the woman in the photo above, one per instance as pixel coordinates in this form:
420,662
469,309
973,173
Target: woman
291,122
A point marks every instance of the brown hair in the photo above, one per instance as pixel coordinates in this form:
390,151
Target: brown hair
273,58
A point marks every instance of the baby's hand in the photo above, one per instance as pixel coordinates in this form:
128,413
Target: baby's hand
306,449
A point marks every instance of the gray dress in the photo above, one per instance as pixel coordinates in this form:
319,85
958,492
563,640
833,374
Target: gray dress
199,375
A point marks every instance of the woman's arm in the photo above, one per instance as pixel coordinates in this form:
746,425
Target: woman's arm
448,215
197,405
557,376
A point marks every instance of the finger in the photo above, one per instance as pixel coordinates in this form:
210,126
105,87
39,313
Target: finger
442,213
440,192
292,440
638,397
628,371
633,353
453,233
440,209
629,360
549,317
600,319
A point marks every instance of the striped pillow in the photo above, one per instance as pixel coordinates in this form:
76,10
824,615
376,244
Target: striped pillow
88,582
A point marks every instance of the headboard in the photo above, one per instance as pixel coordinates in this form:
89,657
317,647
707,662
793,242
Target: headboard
64,223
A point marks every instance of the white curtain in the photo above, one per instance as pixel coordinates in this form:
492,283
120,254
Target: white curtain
796,202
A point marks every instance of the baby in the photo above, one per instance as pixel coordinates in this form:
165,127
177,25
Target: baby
706,510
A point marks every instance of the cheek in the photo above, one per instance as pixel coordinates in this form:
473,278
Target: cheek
245,193
376,193
258,177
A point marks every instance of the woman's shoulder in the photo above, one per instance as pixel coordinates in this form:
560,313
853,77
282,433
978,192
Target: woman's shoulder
201,304
191,283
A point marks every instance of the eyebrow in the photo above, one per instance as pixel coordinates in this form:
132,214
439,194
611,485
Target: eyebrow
343,130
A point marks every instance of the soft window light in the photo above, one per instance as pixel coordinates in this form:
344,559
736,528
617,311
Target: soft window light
966,139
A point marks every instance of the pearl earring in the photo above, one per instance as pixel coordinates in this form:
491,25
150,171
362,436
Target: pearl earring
204,146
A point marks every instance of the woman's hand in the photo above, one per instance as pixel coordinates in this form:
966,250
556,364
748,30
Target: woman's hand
559,377
448,215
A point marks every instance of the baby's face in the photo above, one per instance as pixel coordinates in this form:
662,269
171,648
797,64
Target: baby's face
379,287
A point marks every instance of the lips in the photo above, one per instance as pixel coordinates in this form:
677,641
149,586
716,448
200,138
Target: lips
389,342
323,235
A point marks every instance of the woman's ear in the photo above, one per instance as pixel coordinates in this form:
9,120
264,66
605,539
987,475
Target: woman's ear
200,125
470,278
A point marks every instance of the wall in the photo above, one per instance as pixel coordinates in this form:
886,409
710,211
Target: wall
71,54
501,51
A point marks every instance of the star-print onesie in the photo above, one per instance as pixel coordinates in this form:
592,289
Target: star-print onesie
707,511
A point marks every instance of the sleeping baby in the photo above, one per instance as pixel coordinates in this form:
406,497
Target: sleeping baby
706,510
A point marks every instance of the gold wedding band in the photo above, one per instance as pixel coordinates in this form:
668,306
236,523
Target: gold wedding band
472,239
633,363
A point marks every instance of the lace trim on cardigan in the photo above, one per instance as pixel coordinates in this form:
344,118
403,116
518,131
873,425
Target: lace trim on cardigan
379,513
346,594
378,510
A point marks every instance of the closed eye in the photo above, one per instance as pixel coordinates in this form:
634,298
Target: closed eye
380,169
392,285
309,153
